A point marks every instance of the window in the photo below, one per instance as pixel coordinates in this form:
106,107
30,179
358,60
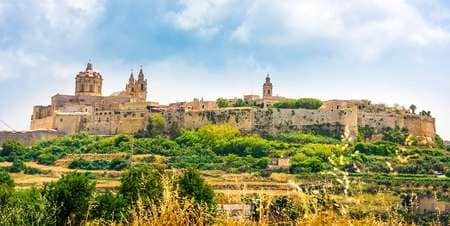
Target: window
61,120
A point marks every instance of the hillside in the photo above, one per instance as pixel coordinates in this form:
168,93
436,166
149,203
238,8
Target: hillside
362,181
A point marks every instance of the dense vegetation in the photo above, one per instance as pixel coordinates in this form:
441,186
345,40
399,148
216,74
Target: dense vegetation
223,147
392,161
73,200
306,103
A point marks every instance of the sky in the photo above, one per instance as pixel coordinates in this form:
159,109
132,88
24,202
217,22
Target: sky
388,51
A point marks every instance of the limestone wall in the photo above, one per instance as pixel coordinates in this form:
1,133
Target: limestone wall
28,138
68,123
417,125
43,123
270,121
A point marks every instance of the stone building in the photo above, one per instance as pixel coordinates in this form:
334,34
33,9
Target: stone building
88,111
128,111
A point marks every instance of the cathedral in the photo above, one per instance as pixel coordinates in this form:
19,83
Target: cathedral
89,111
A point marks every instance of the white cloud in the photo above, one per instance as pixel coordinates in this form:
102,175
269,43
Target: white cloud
365,27
70,16
205,17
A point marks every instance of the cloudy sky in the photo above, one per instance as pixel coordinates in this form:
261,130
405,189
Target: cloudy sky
389,51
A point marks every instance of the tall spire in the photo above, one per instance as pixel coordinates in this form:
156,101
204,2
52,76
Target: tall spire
131,77
141,74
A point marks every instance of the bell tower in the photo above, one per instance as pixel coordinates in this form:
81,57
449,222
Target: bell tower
267,87
137,89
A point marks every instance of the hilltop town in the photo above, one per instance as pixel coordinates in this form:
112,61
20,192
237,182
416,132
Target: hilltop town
128,111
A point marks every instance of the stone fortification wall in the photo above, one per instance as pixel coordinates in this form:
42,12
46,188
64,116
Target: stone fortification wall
43,123
270,121
417,125
339,123
28,138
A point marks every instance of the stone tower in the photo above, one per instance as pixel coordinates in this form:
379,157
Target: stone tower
88,82
137,89
267,87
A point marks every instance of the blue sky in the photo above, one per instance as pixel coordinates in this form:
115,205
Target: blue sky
389,51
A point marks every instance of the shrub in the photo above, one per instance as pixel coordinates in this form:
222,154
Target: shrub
158,145
193,186
16,167
395,135
12,148
6,187
304,138
28,207
155,127
71,196
306,103
304,164
31,170
141,182
243,146
46,159
222,103
207,136
109,206
377,148
284,209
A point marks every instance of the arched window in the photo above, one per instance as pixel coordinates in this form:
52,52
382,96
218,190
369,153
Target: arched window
142,87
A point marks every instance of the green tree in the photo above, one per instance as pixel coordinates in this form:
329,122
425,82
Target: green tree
71,196
46,159
109,206
6,187
396,135
141,182
222,103
17,166
193,186
156,125
12,148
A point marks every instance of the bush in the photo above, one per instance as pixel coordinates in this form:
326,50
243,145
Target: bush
222,103
71,196
6,187
31,170
243,146
17,167
207,136
12,148
304,164
377,148
284,209
46,159
158,145
192,186
304,138
155,127
306,103
395,135
141,182
109,206
100,164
